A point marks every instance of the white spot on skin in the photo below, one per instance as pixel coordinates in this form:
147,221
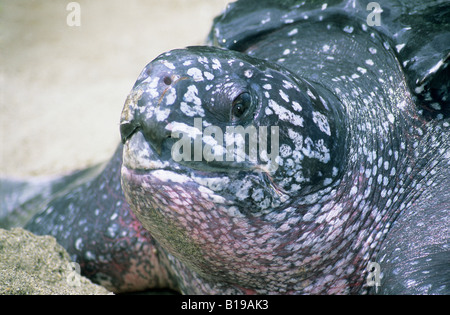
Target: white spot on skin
391,118
334,212
322,153
168,65
267,86
208,75
297,139
216,64
324,6
266,20
399,47
285,114
308,91
287,85
165,176
171,96
436,106
402,145
322,122
419,89
369,62
78,244
248,73
372,50
348,29
191,96
196,74
284,96
324,102
192,111
213,183
362,70
296,106
286,52
151,89
335,171
161,115
203,60
293,32
402,105
285,150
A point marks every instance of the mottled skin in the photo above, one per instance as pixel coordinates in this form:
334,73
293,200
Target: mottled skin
362,173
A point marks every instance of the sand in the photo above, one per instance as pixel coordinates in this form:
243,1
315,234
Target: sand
37,265
63,87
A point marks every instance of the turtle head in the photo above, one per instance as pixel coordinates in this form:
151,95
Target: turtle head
214,139
212,112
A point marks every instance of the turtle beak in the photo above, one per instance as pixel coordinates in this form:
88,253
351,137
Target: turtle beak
133,121
127,129
154,132
128,124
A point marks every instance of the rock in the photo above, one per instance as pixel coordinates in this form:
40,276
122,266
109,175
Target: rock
31,264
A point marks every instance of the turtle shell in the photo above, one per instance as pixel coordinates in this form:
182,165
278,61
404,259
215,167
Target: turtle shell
419,31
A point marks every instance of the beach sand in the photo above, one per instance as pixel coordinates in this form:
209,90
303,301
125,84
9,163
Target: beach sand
63,87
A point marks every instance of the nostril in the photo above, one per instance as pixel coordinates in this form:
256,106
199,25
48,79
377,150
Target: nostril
167,81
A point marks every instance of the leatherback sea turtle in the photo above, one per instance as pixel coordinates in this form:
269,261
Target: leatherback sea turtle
340,115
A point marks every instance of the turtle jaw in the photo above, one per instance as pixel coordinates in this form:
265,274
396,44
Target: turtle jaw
201,229
138,155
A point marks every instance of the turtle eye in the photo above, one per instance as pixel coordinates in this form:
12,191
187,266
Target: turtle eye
241,104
